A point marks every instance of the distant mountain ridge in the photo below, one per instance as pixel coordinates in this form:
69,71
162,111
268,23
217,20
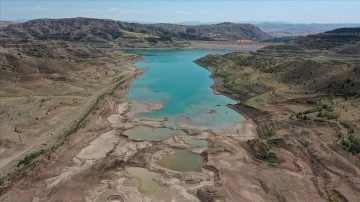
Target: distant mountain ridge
294,29
280,29
343,40
102,30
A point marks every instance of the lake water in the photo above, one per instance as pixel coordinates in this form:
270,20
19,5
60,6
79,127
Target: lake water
145,179
184,89
182,160
152,134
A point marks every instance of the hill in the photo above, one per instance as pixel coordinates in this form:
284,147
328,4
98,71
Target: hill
332,40
290,29
103,31
6,23
305,104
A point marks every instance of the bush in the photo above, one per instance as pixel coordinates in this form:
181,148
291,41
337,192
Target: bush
30,157
263,151
351,143
151,40
310,111
349,126
319,119
327,107
17,130
220,149
305,118
268,130
331,115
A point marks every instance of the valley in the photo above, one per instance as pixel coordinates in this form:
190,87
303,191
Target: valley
103,110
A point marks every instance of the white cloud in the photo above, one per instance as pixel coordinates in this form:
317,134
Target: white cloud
33,8
114,9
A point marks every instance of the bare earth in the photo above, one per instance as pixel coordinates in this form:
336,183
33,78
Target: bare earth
94,162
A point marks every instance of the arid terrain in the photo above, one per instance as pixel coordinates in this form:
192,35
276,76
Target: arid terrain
46,87
305,103
65,122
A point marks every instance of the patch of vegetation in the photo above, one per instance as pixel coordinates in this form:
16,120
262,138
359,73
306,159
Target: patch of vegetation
320,119
275,140
349,126
220,149
331,115
2,181
263,151
43,100
302,117
351,141
327,107
268,130
60,78
17,130
151,40
324,112
29,158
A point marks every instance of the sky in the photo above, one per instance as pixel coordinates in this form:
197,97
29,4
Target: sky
175,11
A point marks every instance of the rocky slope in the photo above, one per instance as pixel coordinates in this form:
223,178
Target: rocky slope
305,103
101,30
45,86
335,40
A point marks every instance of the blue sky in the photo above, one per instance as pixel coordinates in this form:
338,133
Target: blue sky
308,11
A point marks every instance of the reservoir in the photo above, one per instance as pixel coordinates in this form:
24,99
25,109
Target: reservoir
184,90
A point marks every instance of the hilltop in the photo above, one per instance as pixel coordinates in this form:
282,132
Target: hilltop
304,98
335,40
127,34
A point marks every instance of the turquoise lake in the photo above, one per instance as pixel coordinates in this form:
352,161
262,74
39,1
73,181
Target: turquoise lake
183,87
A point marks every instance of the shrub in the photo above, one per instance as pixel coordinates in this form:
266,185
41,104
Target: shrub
305,118
268,130
327,107
319,119
351,143
309,111
354,147
17,130
349,126
151,40
331,115
263,151
28,158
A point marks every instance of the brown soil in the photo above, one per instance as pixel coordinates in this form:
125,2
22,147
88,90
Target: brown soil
310,163
90,164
